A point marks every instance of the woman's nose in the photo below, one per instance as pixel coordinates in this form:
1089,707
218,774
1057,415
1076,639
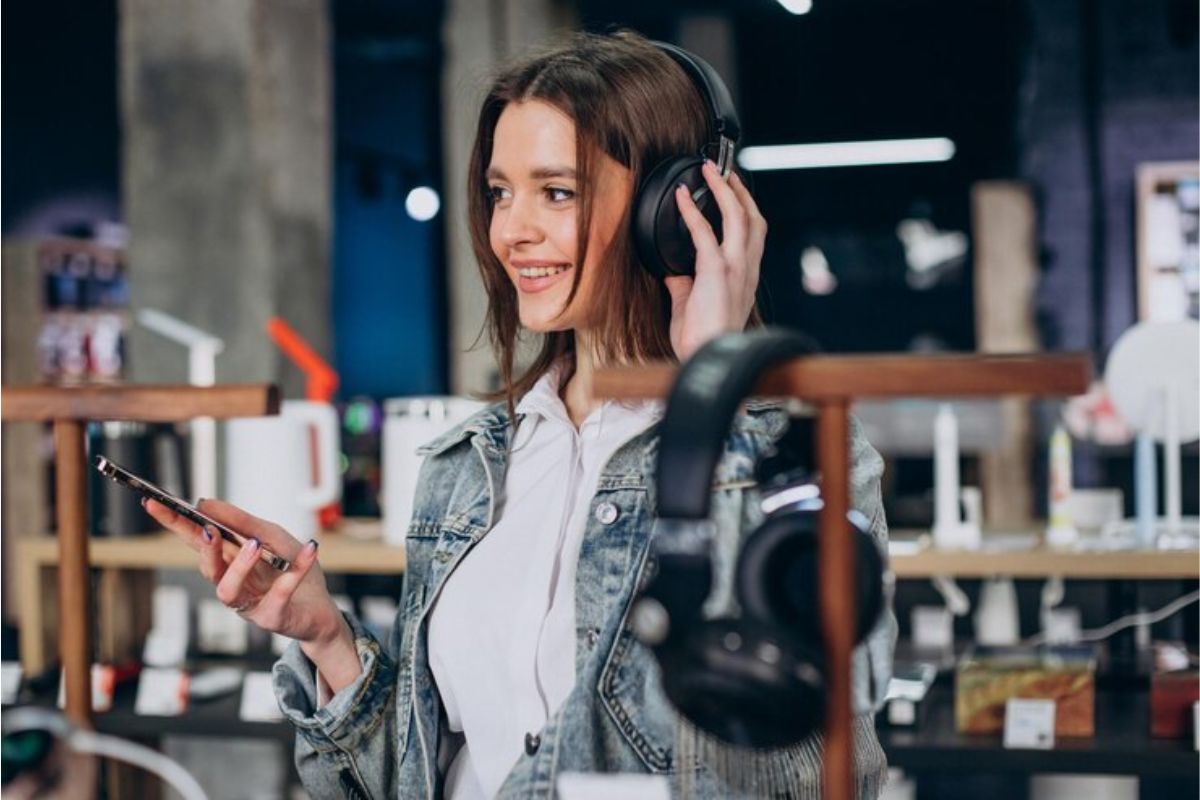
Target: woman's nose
519,225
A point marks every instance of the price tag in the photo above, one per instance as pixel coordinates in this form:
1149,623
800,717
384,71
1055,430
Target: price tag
10,681
933,628
1029,724
593,786
258,699
220,629
1062,625
161,692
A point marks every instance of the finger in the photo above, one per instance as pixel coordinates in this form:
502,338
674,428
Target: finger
702,233
270,608
275,538
229,589
182,526
212,556
756,241
680,289
735,222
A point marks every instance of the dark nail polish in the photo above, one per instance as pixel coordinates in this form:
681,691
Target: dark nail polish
311,545
208,534
143,502
253,544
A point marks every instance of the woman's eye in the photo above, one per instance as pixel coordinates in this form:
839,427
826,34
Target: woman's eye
497,193
559,195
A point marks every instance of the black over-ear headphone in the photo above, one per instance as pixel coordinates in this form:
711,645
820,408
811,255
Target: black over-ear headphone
662,239
756,680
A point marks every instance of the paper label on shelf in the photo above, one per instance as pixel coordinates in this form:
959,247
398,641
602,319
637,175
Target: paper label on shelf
933,627
1063,625
593,786
258,699
161,692
1029,724
104,682
170,611
902,712
164,648
220,629
10,681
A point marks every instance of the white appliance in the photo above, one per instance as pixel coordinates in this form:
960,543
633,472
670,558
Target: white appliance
410,422
276,469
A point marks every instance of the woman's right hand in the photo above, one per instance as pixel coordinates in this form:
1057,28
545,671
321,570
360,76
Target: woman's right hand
294,603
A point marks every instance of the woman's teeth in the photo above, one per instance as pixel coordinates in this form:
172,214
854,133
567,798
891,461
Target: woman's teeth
540,272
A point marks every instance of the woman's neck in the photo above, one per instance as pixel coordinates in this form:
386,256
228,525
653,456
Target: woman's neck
576,393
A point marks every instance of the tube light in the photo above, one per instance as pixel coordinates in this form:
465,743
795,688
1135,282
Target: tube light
846,154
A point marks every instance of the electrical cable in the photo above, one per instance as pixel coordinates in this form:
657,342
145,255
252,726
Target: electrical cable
1143,618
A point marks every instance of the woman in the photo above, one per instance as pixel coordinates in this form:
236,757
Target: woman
510,662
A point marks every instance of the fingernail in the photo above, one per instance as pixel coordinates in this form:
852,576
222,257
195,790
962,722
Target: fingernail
253,544
208,534
311,545
681,185
143,502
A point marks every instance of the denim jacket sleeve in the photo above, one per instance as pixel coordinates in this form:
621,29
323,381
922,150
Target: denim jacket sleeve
342,748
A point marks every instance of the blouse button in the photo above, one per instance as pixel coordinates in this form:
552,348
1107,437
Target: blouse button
607,513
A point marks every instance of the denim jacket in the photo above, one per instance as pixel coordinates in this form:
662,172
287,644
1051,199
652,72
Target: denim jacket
379,737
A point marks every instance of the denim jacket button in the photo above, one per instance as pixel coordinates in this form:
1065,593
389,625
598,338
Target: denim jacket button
607,513
593,636
532,743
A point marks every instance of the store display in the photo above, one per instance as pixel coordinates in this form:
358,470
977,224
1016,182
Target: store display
905,701
1172,697
987,678
1062,531
212,683
162,692
219,629
258,699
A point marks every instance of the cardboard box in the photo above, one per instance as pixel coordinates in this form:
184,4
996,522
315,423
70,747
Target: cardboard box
988,677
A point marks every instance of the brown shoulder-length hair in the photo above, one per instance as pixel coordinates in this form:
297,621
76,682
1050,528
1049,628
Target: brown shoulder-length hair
632,102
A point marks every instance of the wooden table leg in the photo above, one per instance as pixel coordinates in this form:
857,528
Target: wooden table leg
74,582
29,611
836,556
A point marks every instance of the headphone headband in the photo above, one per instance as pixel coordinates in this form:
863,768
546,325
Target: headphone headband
700,409
725,124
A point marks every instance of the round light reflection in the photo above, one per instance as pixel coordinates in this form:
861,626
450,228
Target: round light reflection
422,203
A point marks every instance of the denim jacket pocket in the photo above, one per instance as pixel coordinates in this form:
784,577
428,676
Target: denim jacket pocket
631,691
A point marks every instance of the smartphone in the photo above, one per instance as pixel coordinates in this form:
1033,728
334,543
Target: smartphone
184,509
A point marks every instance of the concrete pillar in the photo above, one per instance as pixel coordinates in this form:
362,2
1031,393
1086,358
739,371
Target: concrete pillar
477,36
226,149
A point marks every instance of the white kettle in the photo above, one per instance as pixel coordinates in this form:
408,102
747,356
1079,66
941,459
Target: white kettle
270,465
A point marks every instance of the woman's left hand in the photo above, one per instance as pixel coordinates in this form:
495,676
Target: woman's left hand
721,295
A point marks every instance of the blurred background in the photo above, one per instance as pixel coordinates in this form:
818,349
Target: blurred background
1022,178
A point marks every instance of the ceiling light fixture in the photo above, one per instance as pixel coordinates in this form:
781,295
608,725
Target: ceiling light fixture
846,154
796,6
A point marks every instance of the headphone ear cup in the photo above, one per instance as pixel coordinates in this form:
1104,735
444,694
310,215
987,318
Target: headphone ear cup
747,684
777,576
660,235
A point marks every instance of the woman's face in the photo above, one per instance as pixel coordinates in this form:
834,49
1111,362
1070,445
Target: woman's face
531,178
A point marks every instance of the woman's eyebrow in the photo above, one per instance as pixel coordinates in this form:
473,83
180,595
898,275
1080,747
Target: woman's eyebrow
538,173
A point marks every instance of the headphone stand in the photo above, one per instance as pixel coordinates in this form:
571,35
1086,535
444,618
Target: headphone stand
70,409
832,383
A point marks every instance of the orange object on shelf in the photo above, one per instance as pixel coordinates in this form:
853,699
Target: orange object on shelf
321,383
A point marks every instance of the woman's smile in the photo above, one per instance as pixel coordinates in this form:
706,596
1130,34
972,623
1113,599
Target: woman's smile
537,276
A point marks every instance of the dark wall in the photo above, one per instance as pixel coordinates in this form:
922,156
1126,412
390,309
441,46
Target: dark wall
1109,85
59,106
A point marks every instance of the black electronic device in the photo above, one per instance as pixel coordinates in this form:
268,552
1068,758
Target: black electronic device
663,241
144,487
756,680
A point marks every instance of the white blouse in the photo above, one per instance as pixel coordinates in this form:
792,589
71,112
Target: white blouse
502,635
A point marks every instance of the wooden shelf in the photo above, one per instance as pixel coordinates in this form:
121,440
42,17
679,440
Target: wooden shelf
125,565
1043,562
348,552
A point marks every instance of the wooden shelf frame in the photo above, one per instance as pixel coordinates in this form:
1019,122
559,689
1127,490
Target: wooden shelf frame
70,409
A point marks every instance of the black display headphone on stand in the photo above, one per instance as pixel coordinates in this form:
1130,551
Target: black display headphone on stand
756,680
662,239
